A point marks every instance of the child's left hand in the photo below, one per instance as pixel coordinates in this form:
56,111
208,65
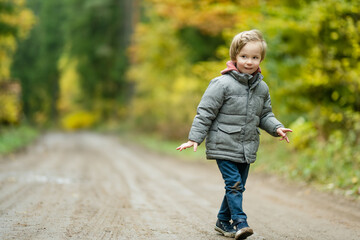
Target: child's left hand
282,132
187,145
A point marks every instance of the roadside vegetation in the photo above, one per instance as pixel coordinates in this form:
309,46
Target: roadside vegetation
14,138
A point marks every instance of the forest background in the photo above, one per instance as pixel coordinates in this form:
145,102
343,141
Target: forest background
144,64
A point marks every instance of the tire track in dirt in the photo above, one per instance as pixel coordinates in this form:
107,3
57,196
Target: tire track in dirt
152,194
308,213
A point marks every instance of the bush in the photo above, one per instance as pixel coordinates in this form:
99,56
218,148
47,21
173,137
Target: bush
78,120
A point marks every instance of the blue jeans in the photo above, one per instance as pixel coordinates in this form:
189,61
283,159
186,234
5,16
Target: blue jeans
234,175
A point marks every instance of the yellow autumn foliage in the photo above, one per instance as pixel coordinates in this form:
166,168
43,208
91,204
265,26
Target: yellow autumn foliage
69,84
210,16
78,120
9,108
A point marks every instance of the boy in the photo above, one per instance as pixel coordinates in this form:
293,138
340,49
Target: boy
233,108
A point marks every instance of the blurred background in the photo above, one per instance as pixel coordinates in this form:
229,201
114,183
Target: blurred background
143,65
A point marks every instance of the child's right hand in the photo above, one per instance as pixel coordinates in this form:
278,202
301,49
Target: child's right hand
188,145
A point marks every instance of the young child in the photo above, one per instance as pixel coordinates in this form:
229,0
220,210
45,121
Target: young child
233,108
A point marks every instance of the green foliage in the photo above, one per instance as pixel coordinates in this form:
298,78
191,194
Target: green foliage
167,87
14,138
317,58
36,61
7,7
97,38
15,22
205,45
92,36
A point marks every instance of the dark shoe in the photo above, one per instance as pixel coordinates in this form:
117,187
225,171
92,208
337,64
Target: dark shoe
225,228
243,230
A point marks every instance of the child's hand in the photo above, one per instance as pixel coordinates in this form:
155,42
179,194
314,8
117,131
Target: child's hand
187,145
282,132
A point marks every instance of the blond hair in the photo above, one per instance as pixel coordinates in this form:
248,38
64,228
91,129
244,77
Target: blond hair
241,39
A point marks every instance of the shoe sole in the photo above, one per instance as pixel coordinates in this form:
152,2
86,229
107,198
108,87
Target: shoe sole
226,234
244,233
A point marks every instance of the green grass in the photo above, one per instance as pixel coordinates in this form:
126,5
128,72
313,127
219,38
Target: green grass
322,168
274,156
157,144
15,138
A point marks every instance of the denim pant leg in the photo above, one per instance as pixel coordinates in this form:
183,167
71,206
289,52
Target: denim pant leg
234,175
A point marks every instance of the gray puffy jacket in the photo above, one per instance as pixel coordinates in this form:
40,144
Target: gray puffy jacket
229,115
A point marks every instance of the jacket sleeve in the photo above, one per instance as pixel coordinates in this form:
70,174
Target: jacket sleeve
208,108
268,121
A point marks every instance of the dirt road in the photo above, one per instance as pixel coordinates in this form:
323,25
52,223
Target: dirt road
90,186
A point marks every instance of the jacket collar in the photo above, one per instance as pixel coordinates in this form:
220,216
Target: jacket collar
250,80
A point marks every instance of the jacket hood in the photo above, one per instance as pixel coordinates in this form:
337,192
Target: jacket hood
231,66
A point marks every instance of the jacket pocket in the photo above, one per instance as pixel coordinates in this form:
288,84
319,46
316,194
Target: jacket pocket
228,138
229,128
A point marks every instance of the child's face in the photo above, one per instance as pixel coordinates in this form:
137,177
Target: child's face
249,58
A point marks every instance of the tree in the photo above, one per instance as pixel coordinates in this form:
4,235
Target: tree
36,62
98,39
15,22
94,35
177,49
316,51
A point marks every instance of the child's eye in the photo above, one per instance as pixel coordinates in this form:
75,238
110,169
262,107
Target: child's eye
243,56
